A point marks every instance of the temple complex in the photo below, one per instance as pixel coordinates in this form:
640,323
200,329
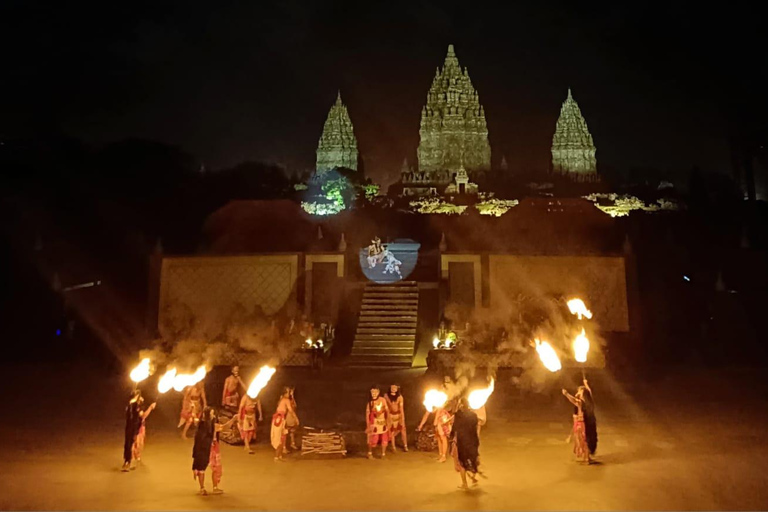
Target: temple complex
338,145
453,133
573,151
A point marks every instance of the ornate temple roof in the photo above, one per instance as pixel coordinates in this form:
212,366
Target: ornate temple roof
573,151
338,145
453,127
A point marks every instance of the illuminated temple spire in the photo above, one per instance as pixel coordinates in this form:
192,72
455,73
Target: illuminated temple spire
573,152
453,128
337,146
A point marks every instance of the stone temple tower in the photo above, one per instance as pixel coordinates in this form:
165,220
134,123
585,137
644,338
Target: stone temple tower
573,152
453,130
338,145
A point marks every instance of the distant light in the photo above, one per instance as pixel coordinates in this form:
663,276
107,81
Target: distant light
58,332
687,278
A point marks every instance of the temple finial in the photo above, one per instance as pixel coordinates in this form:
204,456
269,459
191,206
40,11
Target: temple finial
338,97
569,94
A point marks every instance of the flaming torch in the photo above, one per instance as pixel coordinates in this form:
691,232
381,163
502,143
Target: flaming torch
166,381
478,397
141,372
261,379
183,380
579,309
581,347
548,356
434,399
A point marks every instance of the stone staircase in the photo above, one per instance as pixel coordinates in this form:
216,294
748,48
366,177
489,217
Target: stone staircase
386,327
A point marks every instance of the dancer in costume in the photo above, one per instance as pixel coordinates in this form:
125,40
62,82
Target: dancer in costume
396,407
132,427
192,406
583,413
206,450
377,422
230,398
279,430
465,443
292,421
138,444
246,420
443,425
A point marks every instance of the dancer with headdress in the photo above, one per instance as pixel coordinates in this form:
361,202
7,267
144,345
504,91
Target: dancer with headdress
377,422
465,443
584,438
206,450
396,406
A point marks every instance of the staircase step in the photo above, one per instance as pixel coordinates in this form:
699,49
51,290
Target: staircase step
389,316
385,337
389,307
377,352
385,330
384,344
390,295
372,324
414,302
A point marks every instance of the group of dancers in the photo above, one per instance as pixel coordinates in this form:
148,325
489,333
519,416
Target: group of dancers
456,425
206,450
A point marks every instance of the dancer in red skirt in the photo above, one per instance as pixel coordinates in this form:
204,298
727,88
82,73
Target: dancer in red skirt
584,435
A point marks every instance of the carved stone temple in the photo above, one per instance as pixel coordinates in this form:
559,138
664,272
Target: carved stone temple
453,133
338,145
573,151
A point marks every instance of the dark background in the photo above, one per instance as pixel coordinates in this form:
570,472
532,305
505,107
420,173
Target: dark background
662,87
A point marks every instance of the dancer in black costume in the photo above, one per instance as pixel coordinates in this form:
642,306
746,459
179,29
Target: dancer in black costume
465,443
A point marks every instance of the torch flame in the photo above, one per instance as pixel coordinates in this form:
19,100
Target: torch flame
436,342
261,379
434,398
478,397
141,371
579,309
166,381
548,356
581,347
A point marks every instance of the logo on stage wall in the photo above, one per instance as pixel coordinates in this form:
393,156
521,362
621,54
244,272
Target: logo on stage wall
390,262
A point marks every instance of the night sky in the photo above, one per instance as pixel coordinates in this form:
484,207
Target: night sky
661,87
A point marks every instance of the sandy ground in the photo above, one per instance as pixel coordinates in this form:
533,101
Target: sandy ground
685,441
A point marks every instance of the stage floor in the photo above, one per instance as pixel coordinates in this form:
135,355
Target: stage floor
690,440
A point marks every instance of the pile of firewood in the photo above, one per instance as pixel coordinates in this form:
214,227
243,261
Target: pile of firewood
315,442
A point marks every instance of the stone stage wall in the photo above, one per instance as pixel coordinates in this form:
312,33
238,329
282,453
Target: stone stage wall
211,285
599,280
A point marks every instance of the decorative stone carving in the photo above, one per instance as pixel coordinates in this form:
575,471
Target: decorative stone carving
338,145
453,131
573,151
